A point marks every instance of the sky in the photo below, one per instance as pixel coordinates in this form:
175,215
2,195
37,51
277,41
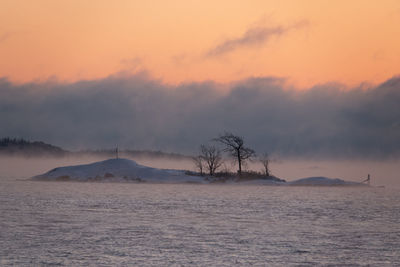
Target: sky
295,78
308,42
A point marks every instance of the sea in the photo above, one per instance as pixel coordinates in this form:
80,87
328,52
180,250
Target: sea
138,224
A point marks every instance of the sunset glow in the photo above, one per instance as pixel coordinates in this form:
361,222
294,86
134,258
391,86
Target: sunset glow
308,42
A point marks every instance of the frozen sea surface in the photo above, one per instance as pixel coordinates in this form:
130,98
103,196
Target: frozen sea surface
109,224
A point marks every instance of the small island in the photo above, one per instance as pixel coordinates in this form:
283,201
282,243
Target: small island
208,165
125,170
118,169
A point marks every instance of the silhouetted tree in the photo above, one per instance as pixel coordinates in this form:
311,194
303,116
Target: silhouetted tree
264,160
211,157
234,145
198,162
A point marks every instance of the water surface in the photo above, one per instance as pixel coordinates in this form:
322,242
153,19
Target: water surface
75,223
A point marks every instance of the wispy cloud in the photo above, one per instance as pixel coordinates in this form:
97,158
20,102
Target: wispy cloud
255,35
5,36
132,64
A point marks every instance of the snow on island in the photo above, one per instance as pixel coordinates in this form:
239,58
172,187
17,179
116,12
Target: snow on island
128,170
323,181
117,170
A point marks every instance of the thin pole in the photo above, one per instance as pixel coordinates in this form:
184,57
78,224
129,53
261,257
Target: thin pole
367,180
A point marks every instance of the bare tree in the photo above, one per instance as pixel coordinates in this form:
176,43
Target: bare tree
198,162
211,157
264,160
235,146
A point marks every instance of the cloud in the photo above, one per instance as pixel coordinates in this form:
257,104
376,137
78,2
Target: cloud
255,35
132,64
140,113
5,36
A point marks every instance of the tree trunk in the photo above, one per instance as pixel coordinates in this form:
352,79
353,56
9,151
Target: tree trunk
240,164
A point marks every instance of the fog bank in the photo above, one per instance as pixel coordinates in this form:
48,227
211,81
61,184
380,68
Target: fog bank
138,112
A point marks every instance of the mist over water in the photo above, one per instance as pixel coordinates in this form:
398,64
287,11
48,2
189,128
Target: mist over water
91,223
386,173
80,224
139,112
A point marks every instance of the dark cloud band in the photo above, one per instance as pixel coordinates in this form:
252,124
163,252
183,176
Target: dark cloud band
141,113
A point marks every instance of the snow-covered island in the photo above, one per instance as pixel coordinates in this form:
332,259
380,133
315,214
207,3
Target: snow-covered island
118,170
126,170
323,181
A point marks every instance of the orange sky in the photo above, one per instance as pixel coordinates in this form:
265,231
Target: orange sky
319,41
